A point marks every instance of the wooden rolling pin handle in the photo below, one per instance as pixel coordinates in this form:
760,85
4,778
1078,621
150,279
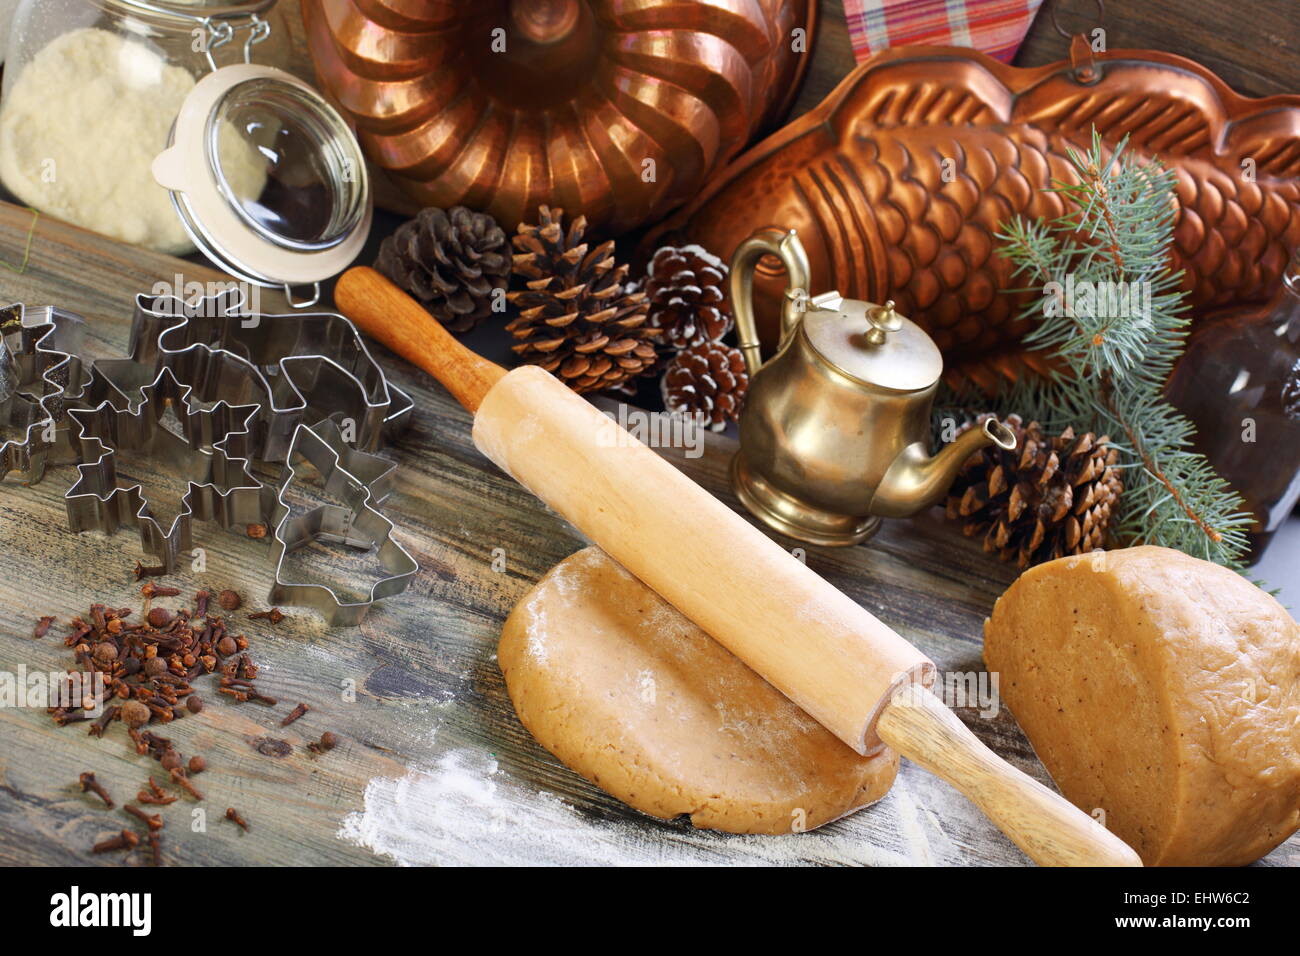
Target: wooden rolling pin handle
386,313
1050,829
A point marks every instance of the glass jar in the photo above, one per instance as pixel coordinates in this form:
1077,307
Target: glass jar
1239,382
166,124
91,88
7,8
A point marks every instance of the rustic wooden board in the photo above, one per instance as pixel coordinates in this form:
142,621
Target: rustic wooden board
434,767
1255,54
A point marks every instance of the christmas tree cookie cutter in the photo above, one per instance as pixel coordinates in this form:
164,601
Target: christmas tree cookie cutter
355,523
40,375
299,368
221,489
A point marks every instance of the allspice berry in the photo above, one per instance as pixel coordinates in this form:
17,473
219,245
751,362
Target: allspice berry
230,600
159,617
155,667
194,704
105,653
135,714
198,765
171,760
227,646
329,740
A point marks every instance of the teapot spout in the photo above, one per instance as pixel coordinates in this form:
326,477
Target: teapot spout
915,481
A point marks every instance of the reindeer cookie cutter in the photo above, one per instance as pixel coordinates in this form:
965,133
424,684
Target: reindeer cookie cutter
299,368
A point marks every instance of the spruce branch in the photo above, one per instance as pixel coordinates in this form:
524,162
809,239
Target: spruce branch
1113,345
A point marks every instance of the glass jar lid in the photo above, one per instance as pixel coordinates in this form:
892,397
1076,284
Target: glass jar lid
267,178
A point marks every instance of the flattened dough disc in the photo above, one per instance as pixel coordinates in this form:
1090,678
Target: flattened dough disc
629,693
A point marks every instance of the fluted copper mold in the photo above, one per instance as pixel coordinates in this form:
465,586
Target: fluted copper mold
863,179
503,105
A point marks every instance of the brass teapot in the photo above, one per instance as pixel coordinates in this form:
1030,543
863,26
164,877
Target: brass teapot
835,433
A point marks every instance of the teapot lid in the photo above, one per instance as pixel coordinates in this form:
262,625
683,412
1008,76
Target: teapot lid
872,343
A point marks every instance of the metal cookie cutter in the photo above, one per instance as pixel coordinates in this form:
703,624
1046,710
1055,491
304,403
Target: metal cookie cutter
300,368
109,384
40,375
356,524
221,489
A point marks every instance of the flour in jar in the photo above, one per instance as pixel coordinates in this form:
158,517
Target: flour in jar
79,130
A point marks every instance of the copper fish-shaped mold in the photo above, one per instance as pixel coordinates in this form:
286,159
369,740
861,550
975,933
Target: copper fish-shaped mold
899,181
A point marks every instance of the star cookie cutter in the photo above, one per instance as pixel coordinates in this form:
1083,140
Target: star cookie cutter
221,489
356,523
300,368
40,376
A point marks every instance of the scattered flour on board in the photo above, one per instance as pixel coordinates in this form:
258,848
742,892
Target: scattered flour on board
464,809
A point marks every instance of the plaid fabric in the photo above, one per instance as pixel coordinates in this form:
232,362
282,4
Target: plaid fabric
995,27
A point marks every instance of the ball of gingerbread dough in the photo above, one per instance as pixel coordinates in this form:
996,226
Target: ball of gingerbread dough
1162,689
627,692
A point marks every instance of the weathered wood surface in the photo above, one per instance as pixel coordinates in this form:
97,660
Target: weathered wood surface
431,744
1255,49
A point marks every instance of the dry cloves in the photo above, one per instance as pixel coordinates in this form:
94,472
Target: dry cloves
145,571
233,816
151,590
154,822
328,741
90,784
125,840
147,666
294,714
106,718
155,795
179,778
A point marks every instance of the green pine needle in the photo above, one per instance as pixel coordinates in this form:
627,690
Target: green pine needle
1113,362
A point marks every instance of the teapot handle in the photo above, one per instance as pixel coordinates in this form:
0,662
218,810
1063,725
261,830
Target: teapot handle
786,246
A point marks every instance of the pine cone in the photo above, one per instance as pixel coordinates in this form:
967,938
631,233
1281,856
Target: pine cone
708,380
451,262
1049,498
686,287
577,318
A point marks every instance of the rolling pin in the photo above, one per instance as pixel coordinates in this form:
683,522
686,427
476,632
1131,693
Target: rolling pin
848,670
